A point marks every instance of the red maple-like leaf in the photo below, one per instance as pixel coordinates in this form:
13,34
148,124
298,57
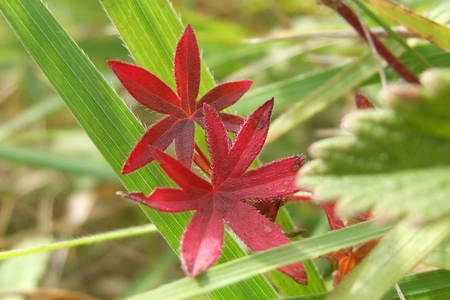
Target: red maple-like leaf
221,199
182,108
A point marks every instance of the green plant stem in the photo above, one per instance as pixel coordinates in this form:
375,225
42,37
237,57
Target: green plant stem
96,238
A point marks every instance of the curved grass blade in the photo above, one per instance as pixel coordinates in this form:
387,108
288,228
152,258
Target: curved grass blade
31,115
96,238
41,158
246,267
341,83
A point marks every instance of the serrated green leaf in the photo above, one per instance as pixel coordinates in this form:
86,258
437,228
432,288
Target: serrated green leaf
396,163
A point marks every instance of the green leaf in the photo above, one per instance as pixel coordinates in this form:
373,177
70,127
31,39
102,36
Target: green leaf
41,158
246,267
396,163
31,115
43,245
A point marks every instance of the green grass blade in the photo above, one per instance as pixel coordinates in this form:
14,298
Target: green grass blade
45,159
96,238
151,30
290,288
290,91
341,83
31,115
246,267
286,92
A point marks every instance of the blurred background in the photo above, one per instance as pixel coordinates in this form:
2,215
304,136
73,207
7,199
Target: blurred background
54,185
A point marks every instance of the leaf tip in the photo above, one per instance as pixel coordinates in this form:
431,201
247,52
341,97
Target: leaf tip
127,168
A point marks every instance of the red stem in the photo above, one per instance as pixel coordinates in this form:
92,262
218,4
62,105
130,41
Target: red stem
345,12
202,161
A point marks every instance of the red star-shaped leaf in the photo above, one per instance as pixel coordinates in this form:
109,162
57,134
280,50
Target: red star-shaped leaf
181,107
221,199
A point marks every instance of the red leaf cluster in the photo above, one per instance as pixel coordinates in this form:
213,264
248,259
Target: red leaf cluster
222,200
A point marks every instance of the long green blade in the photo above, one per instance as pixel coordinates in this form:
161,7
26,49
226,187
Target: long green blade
41,158
96,238
246,267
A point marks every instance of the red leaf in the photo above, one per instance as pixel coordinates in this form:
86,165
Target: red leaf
147,89
184,142
187,69
232,122
182,108
249,140
220,200
362,102
169,200
333,220
202,241
180,173
267,182
215,135
158,135
267,208
225,94
263,235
